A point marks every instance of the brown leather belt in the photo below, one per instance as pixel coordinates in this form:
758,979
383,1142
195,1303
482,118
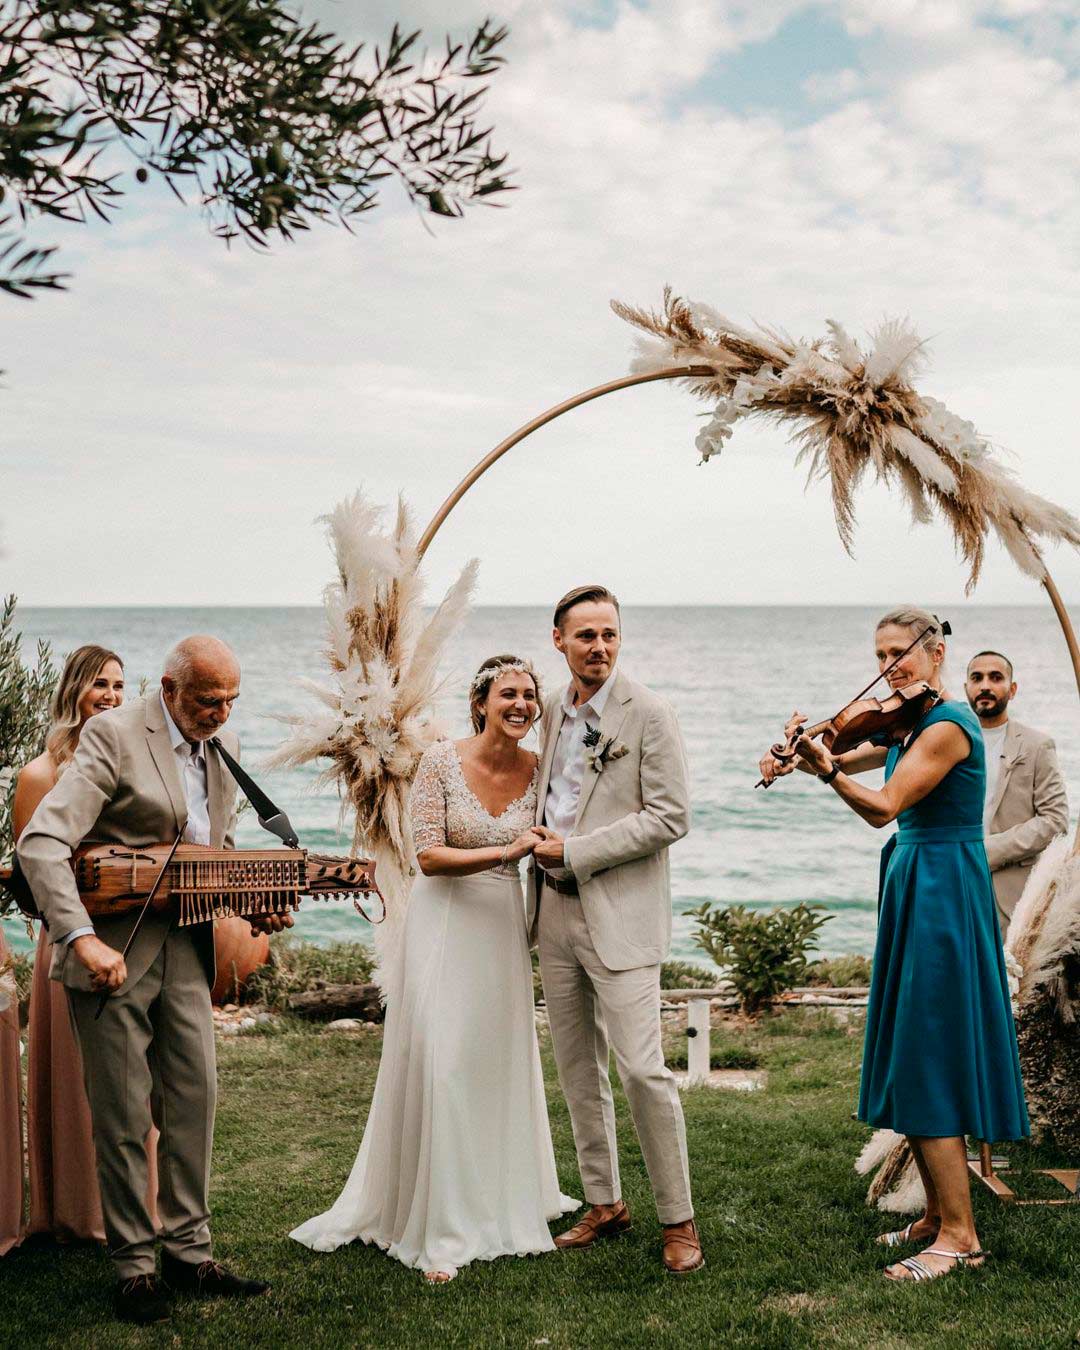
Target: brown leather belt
563,887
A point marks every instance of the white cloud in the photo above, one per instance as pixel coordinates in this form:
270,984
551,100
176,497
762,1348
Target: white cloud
185,413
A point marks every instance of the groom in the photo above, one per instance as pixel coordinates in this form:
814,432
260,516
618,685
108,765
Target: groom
613,796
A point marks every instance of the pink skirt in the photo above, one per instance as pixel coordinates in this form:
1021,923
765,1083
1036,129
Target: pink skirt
64,1197
11,1153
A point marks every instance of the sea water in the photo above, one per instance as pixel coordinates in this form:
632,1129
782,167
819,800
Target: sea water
733,674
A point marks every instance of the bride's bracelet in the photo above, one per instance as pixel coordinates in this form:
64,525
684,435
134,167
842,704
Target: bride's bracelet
503,858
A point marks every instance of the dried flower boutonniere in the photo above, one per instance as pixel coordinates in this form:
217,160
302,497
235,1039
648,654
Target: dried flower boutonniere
599,749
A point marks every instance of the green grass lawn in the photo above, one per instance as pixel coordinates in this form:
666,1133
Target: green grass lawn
787,1236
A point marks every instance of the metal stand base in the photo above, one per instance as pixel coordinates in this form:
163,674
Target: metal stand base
984,1167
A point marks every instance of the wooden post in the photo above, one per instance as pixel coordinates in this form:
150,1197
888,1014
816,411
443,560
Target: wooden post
698,1053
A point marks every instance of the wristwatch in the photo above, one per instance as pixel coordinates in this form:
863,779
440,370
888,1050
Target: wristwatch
828,777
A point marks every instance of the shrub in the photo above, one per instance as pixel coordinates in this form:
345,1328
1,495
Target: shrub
683,975
839,972
296,967
764,950
25,694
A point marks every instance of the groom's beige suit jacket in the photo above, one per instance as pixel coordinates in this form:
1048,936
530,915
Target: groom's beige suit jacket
627,817
122,787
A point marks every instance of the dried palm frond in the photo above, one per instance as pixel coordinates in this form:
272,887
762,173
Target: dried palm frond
896,1185
853,410
1044,931
375,717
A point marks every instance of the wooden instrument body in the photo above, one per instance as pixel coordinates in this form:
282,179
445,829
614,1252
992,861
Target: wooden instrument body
208,883
866,718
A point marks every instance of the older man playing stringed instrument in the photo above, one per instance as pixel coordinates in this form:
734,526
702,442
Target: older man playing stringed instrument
138,985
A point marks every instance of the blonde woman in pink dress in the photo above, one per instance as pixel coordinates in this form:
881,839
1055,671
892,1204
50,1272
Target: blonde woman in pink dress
456,1163
64,1199
11,1154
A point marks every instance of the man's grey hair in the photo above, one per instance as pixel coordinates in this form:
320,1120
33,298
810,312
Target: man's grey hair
181,660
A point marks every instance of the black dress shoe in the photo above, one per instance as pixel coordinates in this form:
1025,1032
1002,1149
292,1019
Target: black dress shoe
206,1279
141,1299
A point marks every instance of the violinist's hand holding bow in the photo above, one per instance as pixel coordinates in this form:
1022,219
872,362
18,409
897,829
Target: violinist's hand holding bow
814,755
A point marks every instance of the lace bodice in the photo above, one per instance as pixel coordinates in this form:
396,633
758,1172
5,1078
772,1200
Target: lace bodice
445,810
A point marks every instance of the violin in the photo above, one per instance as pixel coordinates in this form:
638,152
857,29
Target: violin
864,719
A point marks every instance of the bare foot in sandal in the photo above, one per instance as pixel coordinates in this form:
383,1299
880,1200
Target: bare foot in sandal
941,1257
919,1230
438,1276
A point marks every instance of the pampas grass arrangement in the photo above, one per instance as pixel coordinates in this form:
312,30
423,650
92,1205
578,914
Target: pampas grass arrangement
852,411
896,1186
1044,942
375,716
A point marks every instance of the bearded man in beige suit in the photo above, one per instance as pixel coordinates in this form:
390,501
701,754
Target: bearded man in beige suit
613,796
1026,804
142,774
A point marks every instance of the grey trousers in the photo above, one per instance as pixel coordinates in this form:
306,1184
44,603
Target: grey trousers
151,1055
590,1007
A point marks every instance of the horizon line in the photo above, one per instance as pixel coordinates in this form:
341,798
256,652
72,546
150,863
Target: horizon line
22,606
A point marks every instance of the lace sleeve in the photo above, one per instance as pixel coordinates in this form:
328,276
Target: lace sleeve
427,802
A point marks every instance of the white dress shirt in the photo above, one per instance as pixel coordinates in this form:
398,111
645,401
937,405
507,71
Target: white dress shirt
994,743
192,765
191,761
568,762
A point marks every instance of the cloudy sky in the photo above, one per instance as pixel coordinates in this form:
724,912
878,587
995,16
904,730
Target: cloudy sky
172,427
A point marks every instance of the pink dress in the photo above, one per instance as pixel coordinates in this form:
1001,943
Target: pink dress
11,1154
64,1197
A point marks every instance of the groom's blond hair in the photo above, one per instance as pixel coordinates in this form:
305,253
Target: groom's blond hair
580,595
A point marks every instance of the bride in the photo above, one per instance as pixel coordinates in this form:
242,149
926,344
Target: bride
456,1163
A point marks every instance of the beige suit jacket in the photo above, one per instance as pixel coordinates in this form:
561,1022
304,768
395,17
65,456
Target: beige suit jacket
1029,809
122,787
628,815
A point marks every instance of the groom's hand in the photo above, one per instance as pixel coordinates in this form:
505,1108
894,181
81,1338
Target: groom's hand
549,851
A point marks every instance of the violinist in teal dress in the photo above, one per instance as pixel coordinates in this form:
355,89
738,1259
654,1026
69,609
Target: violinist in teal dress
940,1059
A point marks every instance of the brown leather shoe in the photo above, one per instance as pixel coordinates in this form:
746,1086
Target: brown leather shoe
682,1248
601,1221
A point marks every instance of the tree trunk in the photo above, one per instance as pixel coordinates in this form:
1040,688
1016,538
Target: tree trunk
339,1000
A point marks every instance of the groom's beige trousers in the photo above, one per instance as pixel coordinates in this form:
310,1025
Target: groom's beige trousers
589,1009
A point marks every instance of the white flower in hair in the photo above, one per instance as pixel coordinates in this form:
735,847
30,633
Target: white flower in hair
488,674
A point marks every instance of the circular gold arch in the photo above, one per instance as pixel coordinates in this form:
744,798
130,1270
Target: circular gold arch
678,373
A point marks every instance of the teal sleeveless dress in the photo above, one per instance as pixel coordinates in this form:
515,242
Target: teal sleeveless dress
940,1054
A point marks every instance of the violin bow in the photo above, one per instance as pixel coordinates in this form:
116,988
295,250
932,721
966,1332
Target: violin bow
761,783
138,922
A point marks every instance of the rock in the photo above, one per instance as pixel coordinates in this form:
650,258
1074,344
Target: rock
347,1024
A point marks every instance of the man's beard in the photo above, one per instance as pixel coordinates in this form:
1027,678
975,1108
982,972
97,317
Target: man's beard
985,709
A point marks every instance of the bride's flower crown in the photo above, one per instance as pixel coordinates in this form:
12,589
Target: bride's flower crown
487,674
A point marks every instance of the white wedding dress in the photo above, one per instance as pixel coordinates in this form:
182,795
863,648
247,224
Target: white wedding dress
456,1163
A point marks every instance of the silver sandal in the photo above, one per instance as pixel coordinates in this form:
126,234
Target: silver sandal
920,1271
898,1239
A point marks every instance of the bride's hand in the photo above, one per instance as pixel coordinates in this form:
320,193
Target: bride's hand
522,846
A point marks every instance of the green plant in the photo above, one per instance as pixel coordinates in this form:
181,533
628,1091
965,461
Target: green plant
295,967
764,951
684,975
840,972
269,122
25,695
